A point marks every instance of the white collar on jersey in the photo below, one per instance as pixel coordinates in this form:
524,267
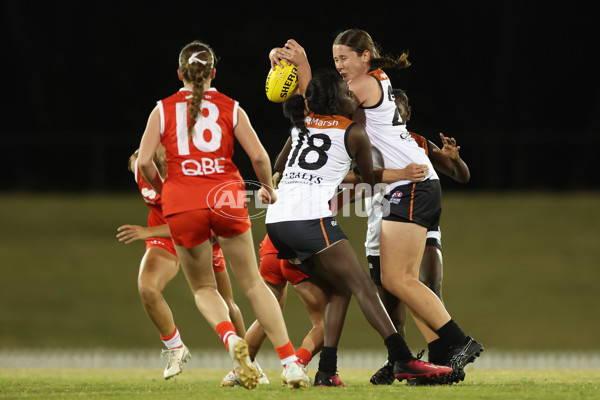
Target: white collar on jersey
211,89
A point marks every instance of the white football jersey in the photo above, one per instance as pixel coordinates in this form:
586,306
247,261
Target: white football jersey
374,208
388,133
316,165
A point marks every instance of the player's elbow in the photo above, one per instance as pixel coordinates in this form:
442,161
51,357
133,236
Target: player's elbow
145,166
260,158
464,178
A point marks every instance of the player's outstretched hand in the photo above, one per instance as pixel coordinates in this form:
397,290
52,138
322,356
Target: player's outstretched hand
131,233
291,52
449,148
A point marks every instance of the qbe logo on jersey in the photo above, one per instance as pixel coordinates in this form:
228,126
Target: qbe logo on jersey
235,195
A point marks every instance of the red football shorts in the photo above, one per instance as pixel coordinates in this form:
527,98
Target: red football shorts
190,228
277,271
218,259
165,243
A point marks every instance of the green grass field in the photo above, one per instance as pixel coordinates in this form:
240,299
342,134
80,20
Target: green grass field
204,384
521,272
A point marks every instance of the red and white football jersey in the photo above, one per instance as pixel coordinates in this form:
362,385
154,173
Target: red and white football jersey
197,165
152,199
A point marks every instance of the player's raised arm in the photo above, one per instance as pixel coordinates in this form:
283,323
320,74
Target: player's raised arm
447,159
293,53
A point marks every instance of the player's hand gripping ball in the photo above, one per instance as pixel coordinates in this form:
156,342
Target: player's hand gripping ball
281,82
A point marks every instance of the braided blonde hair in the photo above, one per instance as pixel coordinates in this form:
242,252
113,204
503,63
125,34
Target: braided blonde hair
196,61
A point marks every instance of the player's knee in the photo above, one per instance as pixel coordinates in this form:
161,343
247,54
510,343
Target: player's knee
391,280
148,293
254,288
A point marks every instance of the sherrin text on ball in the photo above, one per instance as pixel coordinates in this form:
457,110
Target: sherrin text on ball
281,82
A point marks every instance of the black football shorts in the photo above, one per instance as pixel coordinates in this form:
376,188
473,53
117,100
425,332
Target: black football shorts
302,239
417,202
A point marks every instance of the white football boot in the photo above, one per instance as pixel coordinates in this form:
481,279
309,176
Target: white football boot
262,377
294,376
175,359
246,371
232,378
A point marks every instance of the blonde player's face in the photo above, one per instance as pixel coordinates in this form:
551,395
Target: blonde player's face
349,63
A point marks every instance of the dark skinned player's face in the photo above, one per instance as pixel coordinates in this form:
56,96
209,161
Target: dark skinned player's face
347,101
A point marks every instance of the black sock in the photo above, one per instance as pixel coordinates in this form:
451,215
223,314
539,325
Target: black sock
437,350
436,347
397,348
451,334
328,360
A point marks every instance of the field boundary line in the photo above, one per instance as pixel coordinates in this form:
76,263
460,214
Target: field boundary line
215,358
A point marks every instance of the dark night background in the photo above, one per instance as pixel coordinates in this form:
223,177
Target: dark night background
515,83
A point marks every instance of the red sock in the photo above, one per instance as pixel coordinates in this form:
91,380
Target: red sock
304,356
224,330
286,353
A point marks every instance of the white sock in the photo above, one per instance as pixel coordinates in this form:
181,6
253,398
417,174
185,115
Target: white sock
173,341
231,338
289,360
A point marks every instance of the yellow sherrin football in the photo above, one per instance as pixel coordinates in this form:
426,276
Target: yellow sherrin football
281,82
